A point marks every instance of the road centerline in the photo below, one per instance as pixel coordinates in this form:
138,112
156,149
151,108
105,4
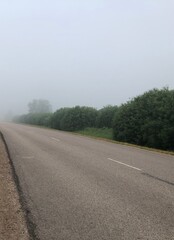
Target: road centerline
138,169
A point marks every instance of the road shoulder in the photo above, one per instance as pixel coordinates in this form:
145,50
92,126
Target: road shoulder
12,221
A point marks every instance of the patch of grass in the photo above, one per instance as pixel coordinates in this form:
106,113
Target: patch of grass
97,132
107,133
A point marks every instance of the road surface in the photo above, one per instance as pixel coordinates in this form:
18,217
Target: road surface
78,188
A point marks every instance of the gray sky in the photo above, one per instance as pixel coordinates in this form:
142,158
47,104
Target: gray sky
74,52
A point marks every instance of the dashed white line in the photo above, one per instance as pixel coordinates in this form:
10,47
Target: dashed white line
55,139
138,169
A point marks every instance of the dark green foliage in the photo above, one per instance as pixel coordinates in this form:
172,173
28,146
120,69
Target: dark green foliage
58,118
72,119
147,120
105,116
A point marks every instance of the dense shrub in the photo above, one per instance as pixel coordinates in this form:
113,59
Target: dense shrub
72,119
105,116
147,120
58,117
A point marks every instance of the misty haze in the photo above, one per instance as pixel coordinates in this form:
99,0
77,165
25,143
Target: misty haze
87,53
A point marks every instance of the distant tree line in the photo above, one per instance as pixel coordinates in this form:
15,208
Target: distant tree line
40,119
71,119
146,120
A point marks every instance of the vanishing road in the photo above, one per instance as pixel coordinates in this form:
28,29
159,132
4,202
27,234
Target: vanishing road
78,188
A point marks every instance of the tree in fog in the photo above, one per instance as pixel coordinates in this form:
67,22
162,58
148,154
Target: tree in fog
39,106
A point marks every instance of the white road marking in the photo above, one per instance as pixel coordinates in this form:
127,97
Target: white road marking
27,157
56,139
138,169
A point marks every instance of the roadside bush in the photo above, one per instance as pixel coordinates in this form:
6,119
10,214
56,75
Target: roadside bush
105,116
72,119
147,120
58,117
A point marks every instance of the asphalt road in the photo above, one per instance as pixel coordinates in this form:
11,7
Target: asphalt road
79,188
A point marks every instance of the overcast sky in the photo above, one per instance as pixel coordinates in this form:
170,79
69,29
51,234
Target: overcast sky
74,52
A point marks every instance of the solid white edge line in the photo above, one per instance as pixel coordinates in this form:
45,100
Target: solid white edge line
56,139
138,169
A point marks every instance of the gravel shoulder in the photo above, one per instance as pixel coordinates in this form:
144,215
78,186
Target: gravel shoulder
12,221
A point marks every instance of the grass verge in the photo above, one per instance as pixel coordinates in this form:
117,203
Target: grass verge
97,132
106,134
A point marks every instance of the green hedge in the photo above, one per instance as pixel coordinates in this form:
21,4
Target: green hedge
72,119
147,120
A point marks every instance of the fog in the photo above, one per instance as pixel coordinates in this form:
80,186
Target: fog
92,53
